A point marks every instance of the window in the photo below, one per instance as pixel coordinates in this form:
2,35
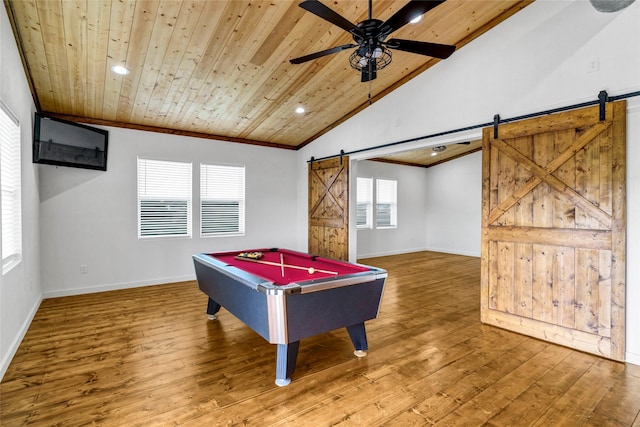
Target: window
164,198
11,195
221,200
364,203
386,205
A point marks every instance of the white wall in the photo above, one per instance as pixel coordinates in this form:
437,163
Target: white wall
540,58
410,234
454,202
20,292
90,217
439,208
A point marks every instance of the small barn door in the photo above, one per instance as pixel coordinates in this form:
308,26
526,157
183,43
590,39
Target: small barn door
553,229
329,208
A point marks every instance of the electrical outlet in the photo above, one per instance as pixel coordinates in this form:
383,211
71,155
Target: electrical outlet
84,269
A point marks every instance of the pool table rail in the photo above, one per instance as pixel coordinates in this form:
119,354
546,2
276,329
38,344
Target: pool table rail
313,285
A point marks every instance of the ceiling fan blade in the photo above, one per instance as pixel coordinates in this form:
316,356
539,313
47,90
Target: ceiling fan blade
436,50
369,72
409,11
319,9
322,53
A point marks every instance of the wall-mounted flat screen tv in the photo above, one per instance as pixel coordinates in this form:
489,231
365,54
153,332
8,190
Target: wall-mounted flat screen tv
64,143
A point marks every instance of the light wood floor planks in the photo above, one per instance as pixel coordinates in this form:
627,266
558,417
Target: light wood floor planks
149,357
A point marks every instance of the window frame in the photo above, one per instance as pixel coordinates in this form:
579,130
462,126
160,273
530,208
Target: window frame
393,204
173,197
360,183
11,186
235,192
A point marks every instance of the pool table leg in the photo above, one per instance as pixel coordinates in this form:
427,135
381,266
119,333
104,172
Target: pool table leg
359,339
286,362
212,308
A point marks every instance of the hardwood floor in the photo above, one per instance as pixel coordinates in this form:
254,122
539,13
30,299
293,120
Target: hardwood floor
149,357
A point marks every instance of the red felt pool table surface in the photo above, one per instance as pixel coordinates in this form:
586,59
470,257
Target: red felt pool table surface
296,265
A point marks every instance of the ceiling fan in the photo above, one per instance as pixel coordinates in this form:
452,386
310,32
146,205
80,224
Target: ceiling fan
372,53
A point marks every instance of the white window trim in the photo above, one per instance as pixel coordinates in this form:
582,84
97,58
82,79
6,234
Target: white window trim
181,191
369,220
11,176
394,205
234,190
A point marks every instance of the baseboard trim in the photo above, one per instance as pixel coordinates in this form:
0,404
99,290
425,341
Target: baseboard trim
455,252
399,252
15,344
408,251
115,286
632,358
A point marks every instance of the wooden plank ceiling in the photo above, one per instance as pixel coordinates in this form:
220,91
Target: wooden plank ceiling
431,156
220,69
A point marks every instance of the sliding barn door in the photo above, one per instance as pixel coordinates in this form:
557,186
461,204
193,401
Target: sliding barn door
553,229
329,208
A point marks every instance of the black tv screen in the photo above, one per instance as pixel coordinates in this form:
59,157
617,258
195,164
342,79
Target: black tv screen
63,143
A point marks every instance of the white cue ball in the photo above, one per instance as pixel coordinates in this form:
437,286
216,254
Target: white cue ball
312,270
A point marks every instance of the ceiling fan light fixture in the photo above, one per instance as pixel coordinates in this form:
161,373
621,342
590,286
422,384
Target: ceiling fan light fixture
372,52
360,57
416,19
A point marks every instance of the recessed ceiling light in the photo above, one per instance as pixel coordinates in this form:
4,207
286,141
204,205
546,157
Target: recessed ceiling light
300,110
416,19
119,69
438,149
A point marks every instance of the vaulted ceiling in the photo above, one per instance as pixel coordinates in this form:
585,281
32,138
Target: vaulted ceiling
221,69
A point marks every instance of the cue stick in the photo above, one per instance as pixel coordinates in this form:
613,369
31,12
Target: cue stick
285,265
282,263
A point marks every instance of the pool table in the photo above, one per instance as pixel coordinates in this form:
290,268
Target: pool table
286,295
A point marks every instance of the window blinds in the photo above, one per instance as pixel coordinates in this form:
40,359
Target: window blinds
364,202
164,198
386,196
11,192
222,204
